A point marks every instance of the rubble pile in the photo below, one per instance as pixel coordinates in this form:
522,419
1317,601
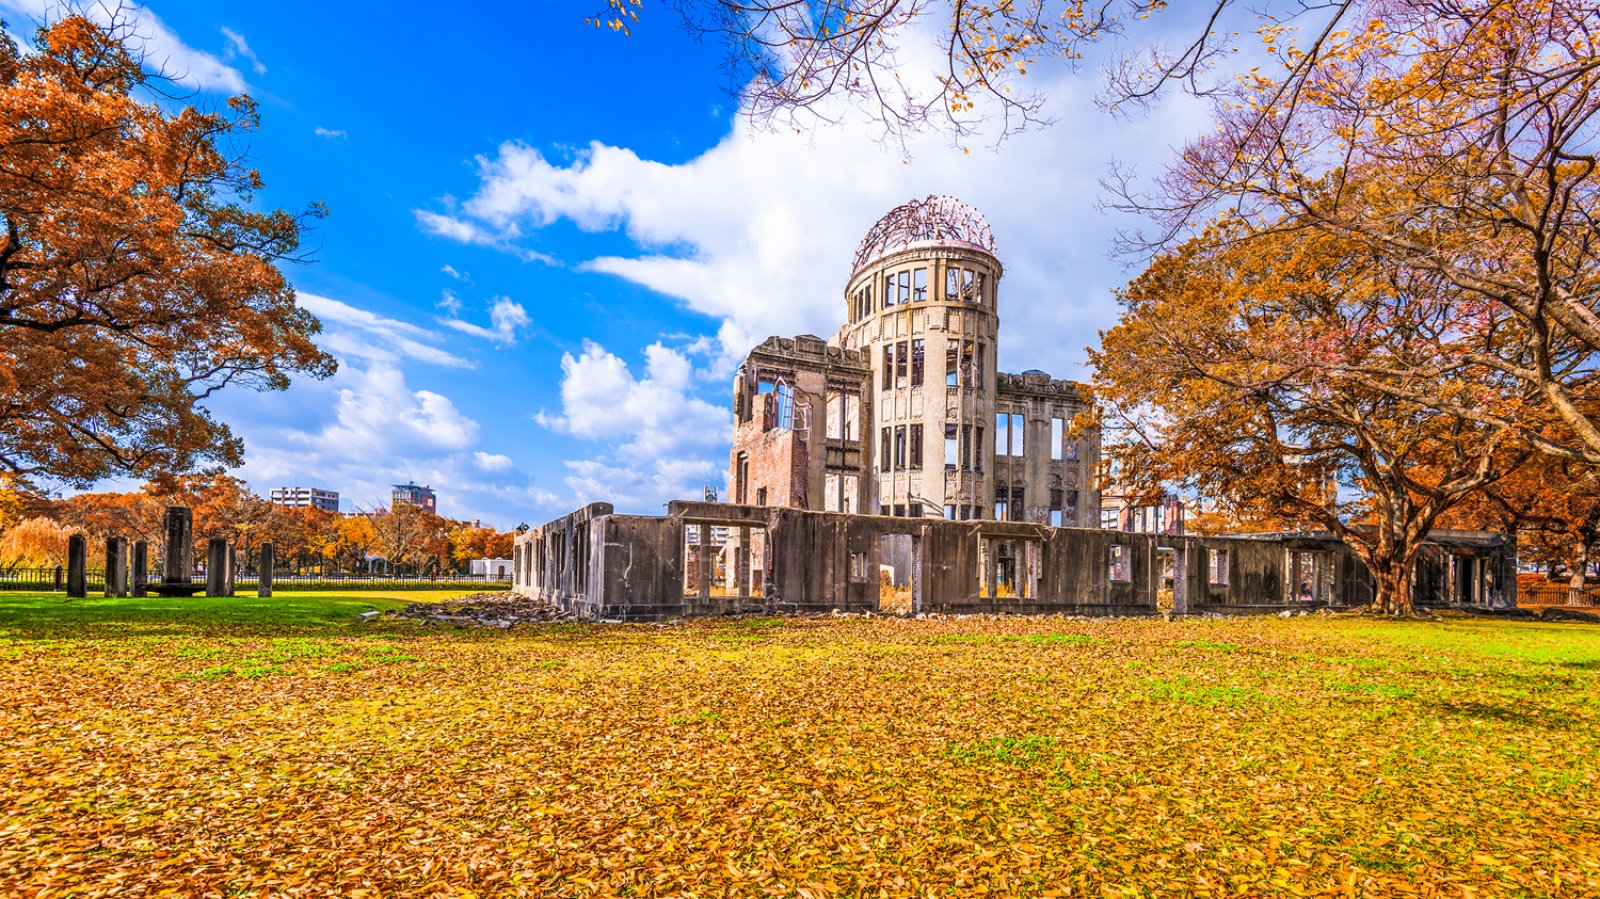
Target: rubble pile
499,610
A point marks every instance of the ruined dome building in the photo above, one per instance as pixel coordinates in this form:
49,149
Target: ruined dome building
904,419
904,412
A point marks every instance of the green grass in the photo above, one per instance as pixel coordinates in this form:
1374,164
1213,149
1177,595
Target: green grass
51,615
196,745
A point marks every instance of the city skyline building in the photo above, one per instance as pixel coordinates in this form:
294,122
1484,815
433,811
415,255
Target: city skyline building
422,496
301,497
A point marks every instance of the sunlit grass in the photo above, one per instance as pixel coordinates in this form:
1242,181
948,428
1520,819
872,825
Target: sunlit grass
272,745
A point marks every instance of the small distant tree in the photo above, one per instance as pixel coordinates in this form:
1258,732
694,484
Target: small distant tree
136,276
34,543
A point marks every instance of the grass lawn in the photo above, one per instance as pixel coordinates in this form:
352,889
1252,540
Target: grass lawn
244,746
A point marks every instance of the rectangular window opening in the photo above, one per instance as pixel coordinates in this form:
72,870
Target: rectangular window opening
1219,567
1120,567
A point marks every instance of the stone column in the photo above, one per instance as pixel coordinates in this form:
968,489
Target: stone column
117,566
229,573
141,567
58,582
77,566
216,567
177,558
264,571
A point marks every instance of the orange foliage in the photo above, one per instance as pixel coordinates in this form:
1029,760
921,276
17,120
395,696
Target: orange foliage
136,277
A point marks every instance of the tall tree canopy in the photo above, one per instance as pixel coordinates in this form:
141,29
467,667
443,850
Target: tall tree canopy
1454,139
1227,374
136,277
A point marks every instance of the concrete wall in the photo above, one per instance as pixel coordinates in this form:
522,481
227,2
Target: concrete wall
720,558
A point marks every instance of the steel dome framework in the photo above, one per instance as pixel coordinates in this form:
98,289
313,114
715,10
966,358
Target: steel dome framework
933,219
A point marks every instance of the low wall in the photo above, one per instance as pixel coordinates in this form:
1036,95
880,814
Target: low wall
705,559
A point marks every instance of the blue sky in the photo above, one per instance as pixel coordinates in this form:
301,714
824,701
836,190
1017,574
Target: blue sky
548,246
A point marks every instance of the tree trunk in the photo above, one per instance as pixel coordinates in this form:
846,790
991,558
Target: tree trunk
1580,570
1393,582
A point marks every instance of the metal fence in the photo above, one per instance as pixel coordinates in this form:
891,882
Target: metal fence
44,580
1532,592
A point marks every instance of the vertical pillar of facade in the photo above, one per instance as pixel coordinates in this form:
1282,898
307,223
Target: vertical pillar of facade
116,566
141,568
264,570
216,566
707,562
77,566
741,563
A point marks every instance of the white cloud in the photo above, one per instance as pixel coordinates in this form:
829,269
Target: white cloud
758,232
329,133
505,317
449,302
376,413
656,432
363,334
458,275
464,231
161,47
238,46
492,461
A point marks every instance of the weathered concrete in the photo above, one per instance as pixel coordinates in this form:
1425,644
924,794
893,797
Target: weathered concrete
264,571
141,567
904,412
719,558
217,567
116,566
77,566
177,554
177,557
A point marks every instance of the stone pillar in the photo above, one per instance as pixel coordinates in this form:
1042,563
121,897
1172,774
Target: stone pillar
177,558
117,566
229,573
264,571
57,585
141,567
217,567
77,566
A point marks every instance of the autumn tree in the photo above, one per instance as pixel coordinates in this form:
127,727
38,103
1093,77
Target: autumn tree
1552,504
408,534
908,65
1453,139
34,543
353,537
136,276
1226,375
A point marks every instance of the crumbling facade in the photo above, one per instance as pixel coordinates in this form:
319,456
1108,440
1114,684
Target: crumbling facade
719,558
894,469
904,412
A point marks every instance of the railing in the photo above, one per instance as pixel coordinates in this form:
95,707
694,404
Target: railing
1542,592
44,580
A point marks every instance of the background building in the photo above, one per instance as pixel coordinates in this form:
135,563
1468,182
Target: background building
415,495
904,412
300,497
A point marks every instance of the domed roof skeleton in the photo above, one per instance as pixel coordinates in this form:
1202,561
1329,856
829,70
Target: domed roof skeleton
934,219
